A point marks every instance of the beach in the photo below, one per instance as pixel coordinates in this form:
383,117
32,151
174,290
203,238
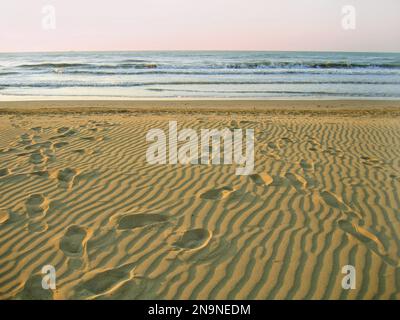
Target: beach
77,193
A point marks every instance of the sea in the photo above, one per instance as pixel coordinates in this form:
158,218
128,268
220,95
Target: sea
199,75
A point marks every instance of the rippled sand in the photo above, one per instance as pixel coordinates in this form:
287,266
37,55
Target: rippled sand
77,193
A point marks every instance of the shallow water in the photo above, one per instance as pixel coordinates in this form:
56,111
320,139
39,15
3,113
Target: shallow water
199,74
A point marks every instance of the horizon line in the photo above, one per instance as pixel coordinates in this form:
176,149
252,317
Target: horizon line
198,50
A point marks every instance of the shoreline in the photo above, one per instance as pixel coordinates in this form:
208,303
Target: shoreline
286,107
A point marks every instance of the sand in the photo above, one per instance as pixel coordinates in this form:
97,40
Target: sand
77,193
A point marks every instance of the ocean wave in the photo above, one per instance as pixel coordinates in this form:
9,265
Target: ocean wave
312,65
140,64
185,83
232,72
51,65
62,65
218,94
130,65
281,92
135,60
7,73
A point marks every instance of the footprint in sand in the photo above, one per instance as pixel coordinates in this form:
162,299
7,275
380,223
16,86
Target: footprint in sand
262,179
38,226
333,201
217,194
272,145
4,216
38,157
103,240
42,173
84,151
40,145
194,239
37,129
79,151
312,183
98,283
361,233
61,144
297,181
273,181
9,150
67,177
306,165
139,220
89,138
74,241
23,154
33,290
26,138
65,134
4,172
63,129
93,138
37,206
69,133
368,238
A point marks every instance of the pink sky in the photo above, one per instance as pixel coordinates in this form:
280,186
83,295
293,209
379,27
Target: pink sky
199,25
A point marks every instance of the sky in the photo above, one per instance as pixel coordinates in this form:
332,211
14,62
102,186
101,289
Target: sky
282,25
